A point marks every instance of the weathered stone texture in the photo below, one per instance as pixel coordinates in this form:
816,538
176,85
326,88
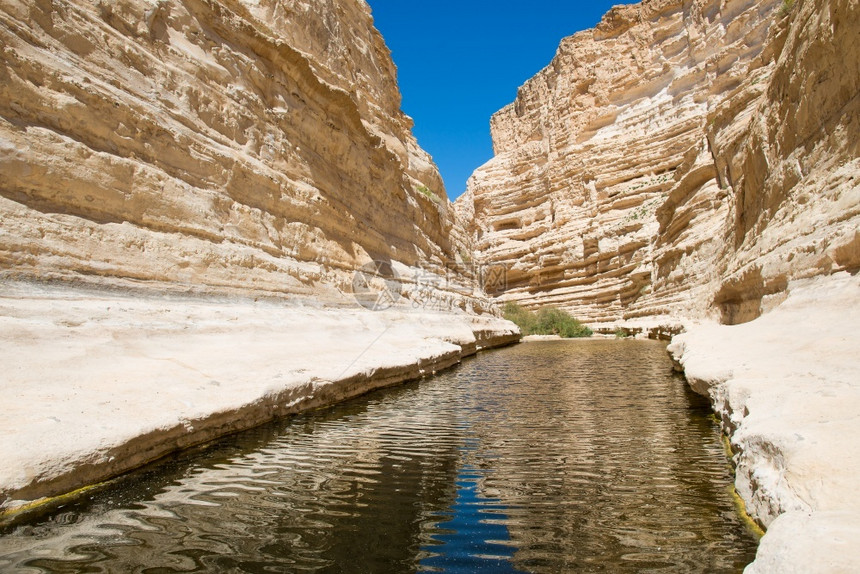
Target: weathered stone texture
681,159
249,147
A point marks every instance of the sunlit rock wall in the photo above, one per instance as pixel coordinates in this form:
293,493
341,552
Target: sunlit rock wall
247,147
680,159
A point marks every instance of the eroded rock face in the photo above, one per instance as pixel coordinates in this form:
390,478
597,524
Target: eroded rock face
682,159
227,152
253,147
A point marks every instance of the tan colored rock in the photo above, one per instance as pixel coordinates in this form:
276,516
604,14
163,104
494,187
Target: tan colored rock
241,147
217,175
682,159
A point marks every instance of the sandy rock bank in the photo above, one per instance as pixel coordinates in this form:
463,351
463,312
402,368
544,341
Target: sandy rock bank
787,389
97,383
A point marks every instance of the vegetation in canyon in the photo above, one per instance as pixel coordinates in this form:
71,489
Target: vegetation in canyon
545,321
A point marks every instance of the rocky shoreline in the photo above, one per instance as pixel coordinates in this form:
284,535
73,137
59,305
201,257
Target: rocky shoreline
249,166
786,391
99,383
102,382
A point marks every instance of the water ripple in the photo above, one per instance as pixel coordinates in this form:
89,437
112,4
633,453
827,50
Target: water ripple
548,457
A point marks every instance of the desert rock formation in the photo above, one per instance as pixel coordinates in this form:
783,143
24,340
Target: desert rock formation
195,195
238,147
681,159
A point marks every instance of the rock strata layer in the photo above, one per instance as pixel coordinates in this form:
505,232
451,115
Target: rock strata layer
227,147
682,159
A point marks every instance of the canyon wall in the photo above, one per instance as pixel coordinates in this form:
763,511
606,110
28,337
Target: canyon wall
220,147
201,201
682,159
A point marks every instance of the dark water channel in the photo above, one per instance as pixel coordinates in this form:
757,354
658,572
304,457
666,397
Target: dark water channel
544,457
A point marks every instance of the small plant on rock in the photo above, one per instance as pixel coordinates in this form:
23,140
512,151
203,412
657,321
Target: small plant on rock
786,7
428,193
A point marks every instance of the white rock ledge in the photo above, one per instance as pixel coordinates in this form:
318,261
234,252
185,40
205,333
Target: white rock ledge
787,389
96,384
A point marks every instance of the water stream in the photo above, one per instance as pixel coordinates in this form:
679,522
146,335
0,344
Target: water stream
545,457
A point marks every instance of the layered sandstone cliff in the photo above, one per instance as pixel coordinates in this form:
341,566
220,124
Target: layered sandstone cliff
698,162
238,146
202,204
682,159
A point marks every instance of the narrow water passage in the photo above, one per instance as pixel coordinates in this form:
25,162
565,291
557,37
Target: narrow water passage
545,457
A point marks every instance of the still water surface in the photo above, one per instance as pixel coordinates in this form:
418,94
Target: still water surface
546,457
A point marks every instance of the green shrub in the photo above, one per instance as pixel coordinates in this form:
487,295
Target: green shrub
552,321
429,193
786,7
547,321
524,318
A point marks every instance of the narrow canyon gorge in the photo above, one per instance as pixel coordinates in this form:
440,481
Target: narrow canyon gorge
692,166
214,213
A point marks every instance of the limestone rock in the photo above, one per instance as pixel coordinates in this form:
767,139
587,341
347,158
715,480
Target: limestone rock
247,147
192,192
785,389
794,537
98,383
681,159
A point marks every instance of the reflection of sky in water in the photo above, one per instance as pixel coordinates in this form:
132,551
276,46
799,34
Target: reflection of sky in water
472,535
544,458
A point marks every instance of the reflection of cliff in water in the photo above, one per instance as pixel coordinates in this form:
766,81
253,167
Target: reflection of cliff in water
601,455
545,457
472,534
348,486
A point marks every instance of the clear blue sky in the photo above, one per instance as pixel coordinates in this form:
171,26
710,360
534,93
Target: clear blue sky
460,61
